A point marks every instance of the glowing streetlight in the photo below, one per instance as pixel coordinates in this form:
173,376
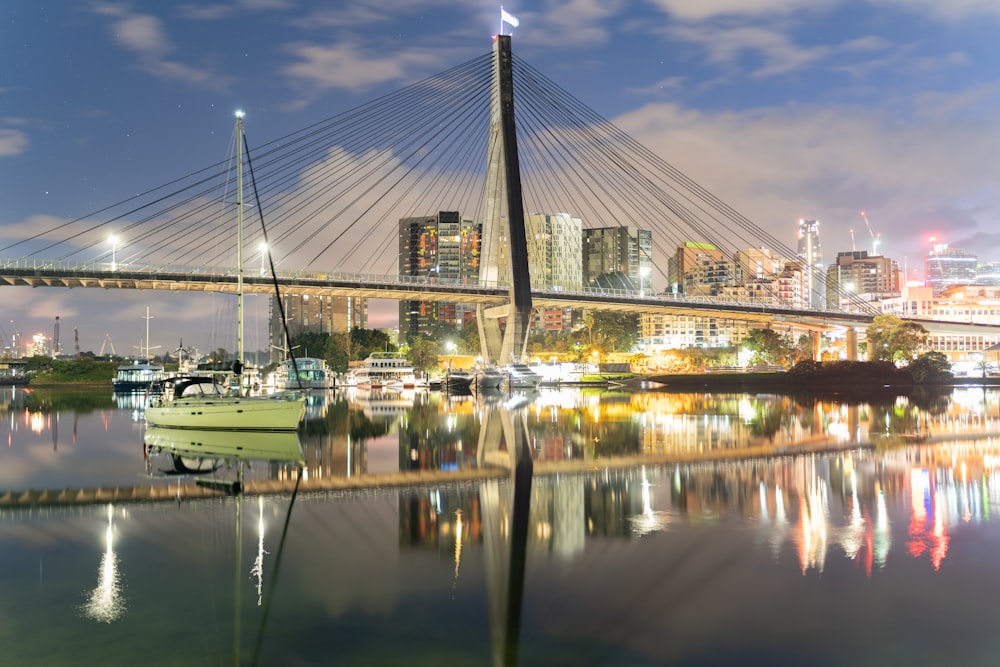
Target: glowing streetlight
263,253
113,240
644,272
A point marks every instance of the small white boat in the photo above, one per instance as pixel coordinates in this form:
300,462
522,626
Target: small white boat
303,373
385,370
520,376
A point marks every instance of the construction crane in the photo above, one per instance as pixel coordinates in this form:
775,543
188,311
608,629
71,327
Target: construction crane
875,237
107,341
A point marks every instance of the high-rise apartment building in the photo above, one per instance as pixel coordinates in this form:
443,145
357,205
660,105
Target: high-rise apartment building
554,250
313,313
945,266
555,243
755,264
625,252
856,275
444,247
699,269
811,255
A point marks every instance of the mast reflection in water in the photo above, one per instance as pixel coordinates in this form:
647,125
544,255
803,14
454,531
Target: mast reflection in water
609,529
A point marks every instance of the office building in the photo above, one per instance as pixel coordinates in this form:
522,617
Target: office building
443,248
621,257
811,254
698,269
313,313
858,277
945,266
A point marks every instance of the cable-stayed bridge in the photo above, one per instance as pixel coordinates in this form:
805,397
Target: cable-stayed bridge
328,199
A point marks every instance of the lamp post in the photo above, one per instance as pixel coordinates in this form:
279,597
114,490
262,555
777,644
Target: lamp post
263,253
114,248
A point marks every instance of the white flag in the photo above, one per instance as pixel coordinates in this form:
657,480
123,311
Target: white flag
510,19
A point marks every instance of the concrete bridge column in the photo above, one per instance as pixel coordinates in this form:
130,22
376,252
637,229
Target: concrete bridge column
852,344
816,339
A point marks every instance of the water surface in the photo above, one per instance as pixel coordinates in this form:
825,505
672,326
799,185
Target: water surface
867,536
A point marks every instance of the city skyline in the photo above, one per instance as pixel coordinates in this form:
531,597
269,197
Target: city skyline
785,109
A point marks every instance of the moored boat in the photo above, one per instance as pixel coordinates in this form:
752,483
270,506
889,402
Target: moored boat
137,376
520,376
384,370
489,377
302,373
200,402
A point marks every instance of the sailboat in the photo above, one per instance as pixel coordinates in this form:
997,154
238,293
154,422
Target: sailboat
199,402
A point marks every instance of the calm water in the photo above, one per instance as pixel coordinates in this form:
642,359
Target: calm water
884,551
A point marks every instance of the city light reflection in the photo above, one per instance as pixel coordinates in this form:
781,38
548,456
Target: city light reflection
106,602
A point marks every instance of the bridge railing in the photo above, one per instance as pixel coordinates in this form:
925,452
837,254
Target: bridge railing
171,271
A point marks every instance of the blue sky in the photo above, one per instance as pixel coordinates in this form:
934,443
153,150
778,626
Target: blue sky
783,108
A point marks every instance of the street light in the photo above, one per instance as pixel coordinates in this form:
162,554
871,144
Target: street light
263,252
114,247
644,272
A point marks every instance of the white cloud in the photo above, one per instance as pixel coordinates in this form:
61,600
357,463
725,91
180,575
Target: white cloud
701,10
726,46
776,165
951,11
348,65
146,36
12,142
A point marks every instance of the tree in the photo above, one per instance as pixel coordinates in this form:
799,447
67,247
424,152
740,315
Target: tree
468,337
615,332
767,346
338,352
423,353
309,344
803,349
893,339
366,341
929,368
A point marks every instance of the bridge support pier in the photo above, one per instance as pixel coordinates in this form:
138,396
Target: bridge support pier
816,340
852,344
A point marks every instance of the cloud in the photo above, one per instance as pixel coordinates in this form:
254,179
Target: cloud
778,164
348,65
146,36
951,11
685,10
12,142
703,10
727,46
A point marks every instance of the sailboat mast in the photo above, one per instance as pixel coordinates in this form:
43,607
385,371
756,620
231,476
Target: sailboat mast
147,318
239,237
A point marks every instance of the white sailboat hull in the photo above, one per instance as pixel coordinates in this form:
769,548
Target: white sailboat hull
228,412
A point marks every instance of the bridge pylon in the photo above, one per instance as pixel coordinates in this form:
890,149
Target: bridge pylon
504,255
